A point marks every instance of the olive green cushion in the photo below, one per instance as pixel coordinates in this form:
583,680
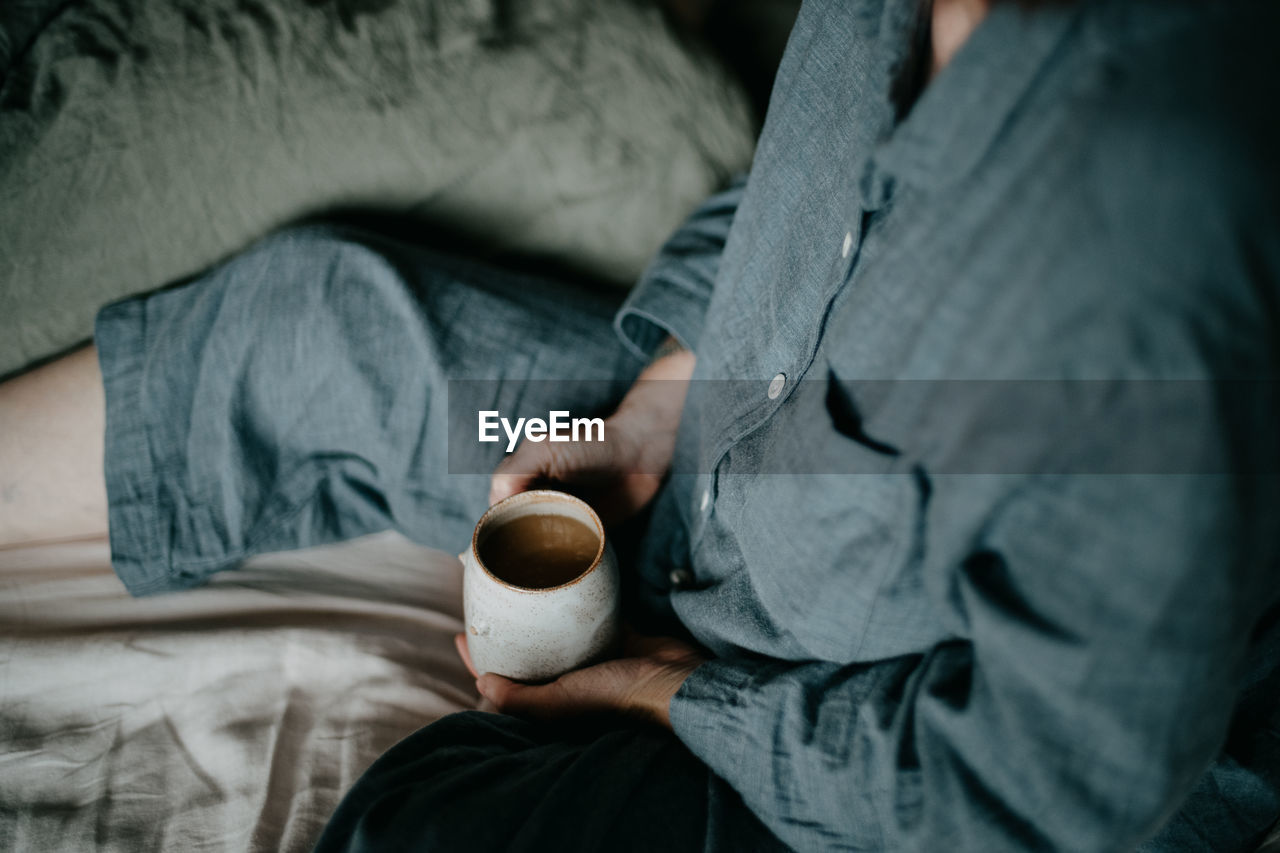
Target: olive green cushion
143,140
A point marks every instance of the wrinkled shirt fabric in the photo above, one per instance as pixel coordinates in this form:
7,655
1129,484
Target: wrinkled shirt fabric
1043,652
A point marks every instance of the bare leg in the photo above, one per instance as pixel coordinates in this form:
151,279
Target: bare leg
51,436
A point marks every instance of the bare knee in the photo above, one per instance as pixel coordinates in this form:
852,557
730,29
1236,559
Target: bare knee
51,481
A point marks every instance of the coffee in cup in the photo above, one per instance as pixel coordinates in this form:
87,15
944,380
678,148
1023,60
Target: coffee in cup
539,550
540,587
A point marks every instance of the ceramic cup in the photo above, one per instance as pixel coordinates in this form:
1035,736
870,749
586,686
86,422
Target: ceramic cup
539,634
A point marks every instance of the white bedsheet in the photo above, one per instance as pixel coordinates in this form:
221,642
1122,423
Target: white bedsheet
231,717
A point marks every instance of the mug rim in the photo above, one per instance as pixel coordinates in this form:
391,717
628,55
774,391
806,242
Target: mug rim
532,495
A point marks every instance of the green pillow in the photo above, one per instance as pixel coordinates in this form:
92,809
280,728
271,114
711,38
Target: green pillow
143,140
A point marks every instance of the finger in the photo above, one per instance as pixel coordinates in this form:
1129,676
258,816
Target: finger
536,701
502,486
460,643
535,462
517,472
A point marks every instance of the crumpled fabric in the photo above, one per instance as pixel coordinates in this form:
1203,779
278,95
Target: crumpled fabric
230,718
143,141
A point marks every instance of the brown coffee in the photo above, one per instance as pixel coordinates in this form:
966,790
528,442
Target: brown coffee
539,551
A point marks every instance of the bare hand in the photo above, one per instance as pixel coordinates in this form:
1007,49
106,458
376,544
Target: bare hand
621,474
640,684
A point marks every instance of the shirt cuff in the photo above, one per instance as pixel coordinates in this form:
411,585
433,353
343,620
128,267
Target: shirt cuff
659,306
137,550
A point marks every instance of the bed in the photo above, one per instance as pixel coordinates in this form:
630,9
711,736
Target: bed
142,141
232,717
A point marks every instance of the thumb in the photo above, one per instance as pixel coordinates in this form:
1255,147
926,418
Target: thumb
502,486
517,472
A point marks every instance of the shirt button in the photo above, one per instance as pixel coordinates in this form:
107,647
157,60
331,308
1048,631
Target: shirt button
706,500
680,578
776,385
848,244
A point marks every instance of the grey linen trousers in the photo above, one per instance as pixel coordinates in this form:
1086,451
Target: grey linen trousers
296,396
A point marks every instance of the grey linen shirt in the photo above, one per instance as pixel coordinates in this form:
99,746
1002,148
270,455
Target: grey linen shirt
937,628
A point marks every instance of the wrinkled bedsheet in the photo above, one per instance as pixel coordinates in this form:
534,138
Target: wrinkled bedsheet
231,717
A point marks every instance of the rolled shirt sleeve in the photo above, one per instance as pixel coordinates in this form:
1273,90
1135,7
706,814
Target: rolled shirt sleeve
673,292
1102,626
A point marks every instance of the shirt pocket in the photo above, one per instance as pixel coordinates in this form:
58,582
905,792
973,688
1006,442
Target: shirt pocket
825,547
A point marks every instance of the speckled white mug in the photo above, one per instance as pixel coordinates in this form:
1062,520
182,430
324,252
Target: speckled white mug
539,634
